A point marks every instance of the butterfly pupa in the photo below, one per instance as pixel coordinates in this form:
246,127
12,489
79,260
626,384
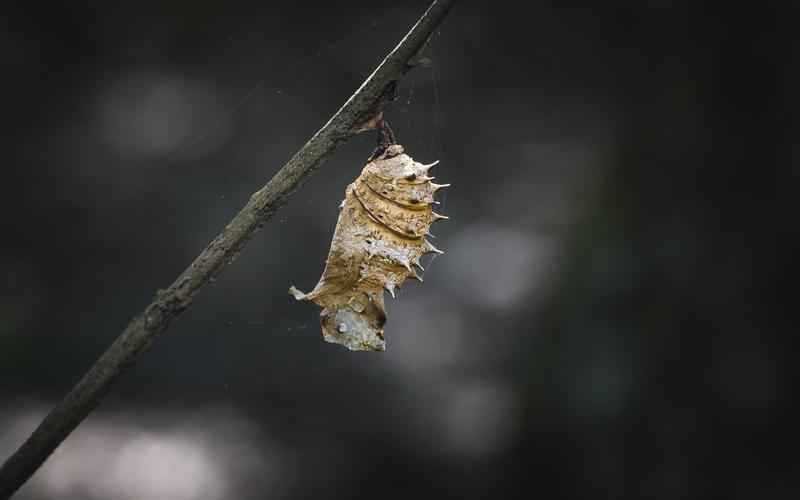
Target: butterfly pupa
379,239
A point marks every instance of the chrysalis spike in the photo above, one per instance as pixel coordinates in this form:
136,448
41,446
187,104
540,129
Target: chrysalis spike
427,167
439,216
429,248
416,277
390,288
437,187
417,263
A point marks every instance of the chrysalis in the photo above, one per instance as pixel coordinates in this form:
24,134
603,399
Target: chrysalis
379,239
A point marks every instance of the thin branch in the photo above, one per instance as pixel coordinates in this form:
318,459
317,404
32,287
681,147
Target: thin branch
362,111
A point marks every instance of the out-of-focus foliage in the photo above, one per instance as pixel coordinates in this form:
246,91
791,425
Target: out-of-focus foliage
612,317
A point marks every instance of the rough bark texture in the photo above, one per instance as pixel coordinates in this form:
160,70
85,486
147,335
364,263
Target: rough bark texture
360,109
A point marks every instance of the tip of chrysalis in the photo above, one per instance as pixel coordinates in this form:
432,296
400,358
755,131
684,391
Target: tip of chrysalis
297,294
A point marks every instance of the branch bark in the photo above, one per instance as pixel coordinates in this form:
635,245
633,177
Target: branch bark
363,107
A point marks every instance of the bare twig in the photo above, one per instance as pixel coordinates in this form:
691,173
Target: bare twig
362,111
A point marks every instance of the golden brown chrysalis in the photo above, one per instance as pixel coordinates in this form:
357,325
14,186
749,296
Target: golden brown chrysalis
379,239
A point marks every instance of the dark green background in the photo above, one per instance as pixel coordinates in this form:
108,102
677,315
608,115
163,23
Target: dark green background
613,317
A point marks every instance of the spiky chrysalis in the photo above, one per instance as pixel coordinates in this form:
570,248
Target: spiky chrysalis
379,239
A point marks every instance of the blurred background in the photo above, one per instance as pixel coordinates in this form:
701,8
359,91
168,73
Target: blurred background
612,318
